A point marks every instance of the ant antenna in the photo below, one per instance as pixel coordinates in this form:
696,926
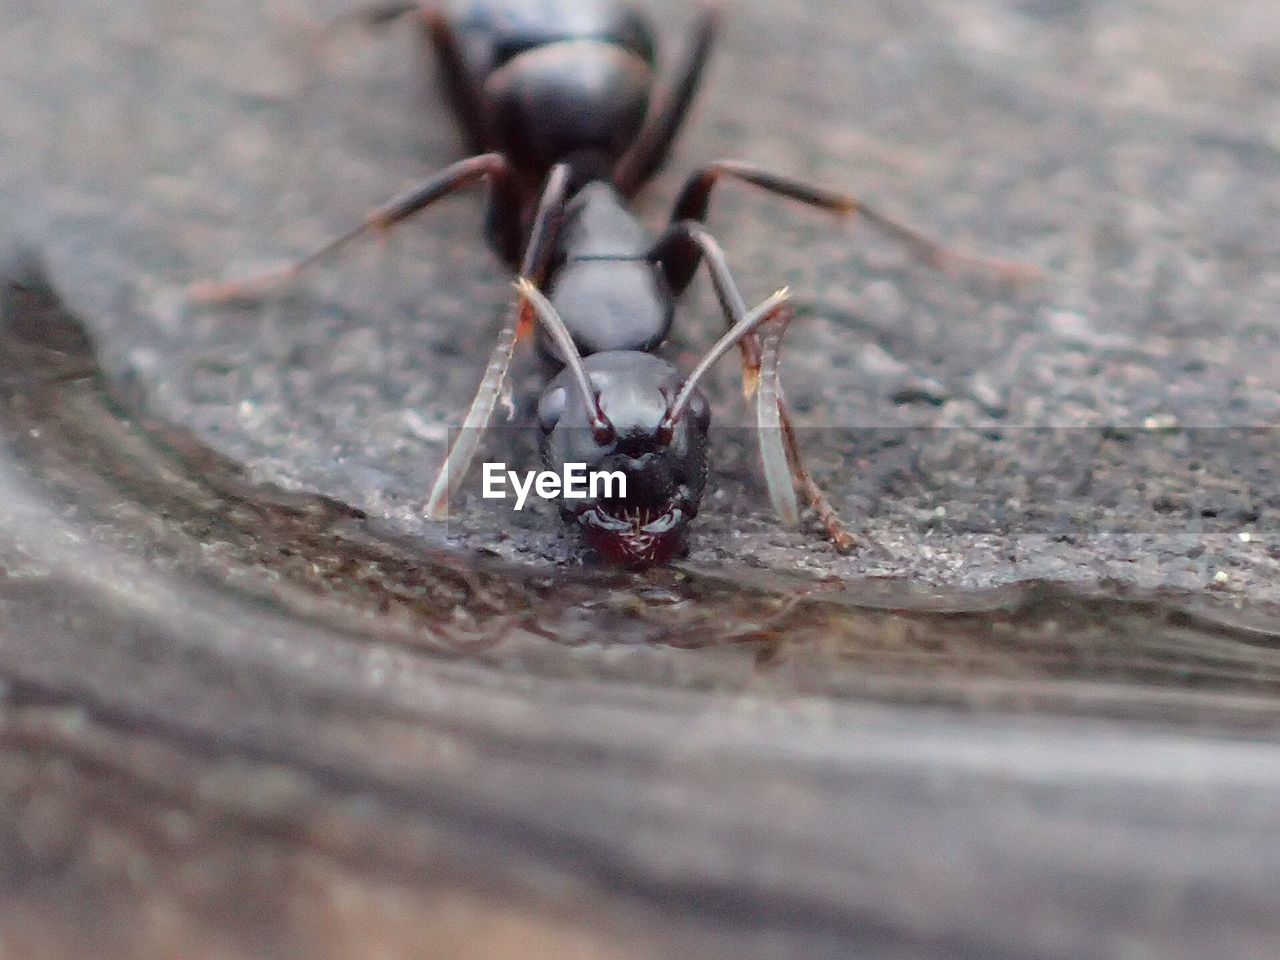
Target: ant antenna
764,312
531,296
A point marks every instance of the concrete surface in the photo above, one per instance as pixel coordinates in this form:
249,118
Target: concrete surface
1130,150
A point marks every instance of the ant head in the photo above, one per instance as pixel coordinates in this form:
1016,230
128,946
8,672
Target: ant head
643,482
640,433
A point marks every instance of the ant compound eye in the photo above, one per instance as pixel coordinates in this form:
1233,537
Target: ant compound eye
551,408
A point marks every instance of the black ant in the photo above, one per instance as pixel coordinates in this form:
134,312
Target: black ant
556,101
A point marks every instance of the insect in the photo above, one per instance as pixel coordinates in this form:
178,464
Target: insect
558,103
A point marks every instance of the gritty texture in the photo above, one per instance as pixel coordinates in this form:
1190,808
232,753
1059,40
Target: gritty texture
1129,151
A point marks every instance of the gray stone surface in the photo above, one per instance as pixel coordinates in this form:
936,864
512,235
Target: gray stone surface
1130,150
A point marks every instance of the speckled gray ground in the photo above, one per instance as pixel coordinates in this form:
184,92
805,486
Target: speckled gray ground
1130,149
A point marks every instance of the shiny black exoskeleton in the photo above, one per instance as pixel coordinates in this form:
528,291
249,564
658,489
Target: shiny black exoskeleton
560,91
557,100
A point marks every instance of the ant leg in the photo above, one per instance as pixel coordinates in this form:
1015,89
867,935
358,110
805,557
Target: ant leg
653,143
689,243
677,253
464,173
515,327
771,399
547,221
695,199
460,87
